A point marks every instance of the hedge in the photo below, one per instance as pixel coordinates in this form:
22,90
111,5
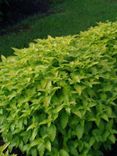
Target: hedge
58,97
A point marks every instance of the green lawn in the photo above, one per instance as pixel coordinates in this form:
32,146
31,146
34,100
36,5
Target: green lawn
71,17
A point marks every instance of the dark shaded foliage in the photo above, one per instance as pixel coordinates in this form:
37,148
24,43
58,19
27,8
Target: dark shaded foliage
13,10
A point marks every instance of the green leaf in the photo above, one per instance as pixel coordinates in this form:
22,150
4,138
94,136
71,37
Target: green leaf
51,132
3,58
38,142
97,121
34,152
92,141
103,97
48,146
41,148
79,89
64,119
105,117
112,138
1,111
34,134
80,130
63,153
32,126
77,112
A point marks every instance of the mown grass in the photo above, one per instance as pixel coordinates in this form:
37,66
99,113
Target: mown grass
70,17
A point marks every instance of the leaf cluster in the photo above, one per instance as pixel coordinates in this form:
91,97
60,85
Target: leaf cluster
4,151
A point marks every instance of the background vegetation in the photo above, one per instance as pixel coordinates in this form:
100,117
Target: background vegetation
65,17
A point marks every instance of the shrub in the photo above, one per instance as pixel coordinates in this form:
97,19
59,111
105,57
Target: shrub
58,97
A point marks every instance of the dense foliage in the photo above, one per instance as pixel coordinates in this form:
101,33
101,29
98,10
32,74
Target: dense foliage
4,151
58,97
